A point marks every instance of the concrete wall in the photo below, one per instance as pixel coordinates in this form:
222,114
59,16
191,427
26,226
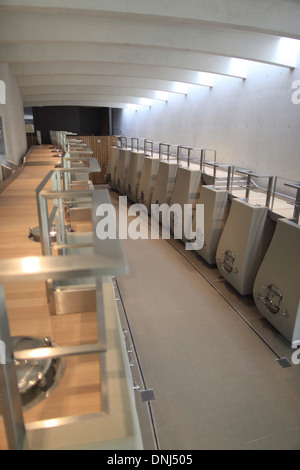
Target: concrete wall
252,123
12,114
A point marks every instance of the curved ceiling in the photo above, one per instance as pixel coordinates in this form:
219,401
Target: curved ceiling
125,53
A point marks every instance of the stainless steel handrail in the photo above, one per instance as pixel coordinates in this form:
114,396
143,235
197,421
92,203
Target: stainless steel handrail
135,143
61,195
107,259
147,143
181,157
8,164
296,203
249,174
162,145
37,269
203,160
123,141
230,173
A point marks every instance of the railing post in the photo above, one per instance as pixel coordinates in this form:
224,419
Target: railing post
269,191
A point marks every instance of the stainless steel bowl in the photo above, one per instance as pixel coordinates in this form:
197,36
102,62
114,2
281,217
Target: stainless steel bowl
37,378
30,372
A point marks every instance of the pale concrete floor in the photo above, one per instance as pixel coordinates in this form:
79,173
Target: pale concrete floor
208,354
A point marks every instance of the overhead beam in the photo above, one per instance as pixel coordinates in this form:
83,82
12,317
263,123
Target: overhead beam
208,64
24,26
56,52
92,104
85,103
73,97
106,80
93,90
282,16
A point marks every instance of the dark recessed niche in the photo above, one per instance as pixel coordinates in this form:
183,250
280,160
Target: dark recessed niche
78,119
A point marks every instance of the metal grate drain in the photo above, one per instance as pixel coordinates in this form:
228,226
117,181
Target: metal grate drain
147,395
283,362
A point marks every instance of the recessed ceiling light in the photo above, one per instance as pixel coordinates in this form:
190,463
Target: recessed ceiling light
287,51
180,87
238,67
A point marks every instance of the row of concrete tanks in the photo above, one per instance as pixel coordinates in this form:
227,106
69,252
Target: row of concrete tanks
257,254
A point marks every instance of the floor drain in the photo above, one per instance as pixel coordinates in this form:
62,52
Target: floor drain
283,362
147,395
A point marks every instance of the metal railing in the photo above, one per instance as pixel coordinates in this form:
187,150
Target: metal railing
250,185
233,178
135,144
34,269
